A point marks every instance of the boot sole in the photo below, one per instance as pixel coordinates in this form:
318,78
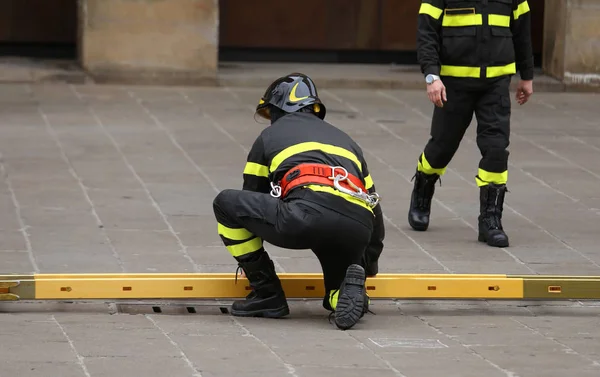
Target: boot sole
269,313
482,238
351,302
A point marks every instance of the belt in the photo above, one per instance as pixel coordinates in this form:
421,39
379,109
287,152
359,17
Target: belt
321,174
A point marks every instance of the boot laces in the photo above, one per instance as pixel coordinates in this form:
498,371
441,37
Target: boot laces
425,185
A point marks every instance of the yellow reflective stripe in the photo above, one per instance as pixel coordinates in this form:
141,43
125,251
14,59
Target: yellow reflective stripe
368,182
259,170
450,70
499,20
424,167
508,69
462,20
430,10
485,177
244,248
335,192
311,146
475,72
333,298
234,234
521,9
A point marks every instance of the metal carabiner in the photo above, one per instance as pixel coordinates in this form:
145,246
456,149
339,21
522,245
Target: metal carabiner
275,190
333,176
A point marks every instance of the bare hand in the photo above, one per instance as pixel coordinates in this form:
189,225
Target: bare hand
436,93
524,91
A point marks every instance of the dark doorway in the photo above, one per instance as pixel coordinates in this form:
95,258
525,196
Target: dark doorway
38,28
336,31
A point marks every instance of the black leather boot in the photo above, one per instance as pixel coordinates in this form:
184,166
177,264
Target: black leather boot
491,198
420,200
350,306
267,298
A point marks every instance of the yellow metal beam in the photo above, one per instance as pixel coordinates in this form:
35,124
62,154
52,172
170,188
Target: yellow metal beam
296,285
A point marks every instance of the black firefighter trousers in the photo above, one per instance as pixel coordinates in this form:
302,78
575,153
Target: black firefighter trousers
489,100
300,221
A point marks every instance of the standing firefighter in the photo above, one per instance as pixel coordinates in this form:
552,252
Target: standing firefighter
468,51
306,186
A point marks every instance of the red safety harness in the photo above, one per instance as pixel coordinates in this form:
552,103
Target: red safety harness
320,174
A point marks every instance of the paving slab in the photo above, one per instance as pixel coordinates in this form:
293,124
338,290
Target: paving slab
117,178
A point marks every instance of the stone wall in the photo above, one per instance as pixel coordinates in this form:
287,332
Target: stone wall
152,41
572,41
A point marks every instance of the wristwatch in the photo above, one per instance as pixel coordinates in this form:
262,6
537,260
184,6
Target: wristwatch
431,78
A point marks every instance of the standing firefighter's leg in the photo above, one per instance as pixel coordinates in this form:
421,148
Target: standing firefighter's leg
236,211
422,194
448,127
493,131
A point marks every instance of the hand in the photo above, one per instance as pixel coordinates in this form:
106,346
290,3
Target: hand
524,91
436,92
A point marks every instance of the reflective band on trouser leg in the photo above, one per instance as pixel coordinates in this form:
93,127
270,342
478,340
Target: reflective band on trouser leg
456,71
425,167
508,69
498,20
462,20
239,241
333,298
484,178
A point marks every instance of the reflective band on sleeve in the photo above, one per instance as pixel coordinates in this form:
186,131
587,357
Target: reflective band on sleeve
462,20
430,10
508,69
244,248
521,9
252,168
234,234
449,70
368,182
499,20
311,146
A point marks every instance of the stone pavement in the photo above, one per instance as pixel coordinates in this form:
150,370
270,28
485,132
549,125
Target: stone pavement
115,178
250,74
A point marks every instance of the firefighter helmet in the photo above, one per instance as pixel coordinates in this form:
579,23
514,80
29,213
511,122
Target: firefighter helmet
291,93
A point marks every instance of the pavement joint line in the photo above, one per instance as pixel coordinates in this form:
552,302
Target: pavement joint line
395,135
186,155
22,226
80,359
52,132
290,368
507,372
220,128
182,354
565,347
560,241
100,123
389,365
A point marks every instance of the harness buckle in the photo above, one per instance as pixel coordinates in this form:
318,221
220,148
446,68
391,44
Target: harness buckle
370,199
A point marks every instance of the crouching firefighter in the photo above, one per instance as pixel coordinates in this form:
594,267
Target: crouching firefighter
306,185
